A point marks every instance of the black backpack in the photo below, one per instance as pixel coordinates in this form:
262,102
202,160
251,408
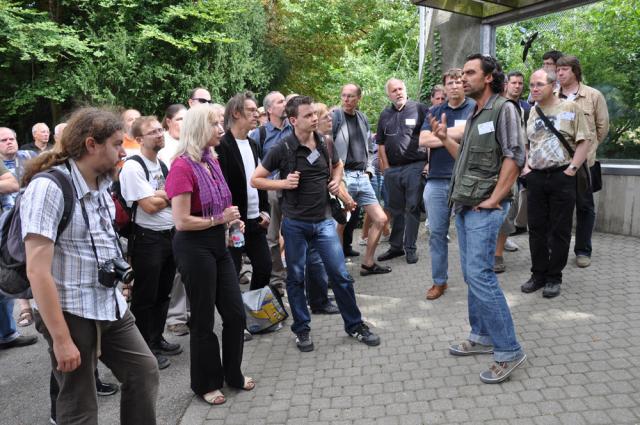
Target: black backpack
13,271
125,215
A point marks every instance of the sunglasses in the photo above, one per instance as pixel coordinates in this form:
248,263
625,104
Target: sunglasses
201,99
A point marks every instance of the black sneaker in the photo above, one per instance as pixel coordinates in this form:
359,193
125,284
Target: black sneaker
105,389
303,342
163,362
551,290
166,348
364,335
531,285
20,341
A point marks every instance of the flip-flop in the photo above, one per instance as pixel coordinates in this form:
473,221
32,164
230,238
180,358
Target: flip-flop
25,318
214,398
249,383
374,269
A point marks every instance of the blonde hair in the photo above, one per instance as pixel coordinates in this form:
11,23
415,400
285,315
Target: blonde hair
320,108
196,131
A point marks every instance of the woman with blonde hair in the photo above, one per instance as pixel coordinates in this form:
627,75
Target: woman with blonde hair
202,211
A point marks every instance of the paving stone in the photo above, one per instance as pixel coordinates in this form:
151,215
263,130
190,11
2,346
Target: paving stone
582,367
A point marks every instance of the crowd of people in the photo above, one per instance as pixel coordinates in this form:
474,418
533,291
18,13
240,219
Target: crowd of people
497,163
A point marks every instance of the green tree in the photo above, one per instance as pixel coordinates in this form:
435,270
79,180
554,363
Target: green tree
605,37
135,53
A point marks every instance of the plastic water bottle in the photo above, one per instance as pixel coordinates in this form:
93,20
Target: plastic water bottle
237,238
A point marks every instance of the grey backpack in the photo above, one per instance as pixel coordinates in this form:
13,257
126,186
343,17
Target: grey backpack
13,272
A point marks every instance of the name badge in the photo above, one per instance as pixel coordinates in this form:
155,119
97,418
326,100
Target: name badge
313,156
458,123
410,121
568,116
486,127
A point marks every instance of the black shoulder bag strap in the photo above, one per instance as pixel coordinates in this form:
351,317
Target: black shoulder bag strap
564,142
555,131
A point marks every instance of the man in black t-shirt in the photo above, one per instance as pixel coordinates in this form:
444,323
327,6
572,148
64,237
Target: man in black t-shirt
402,163
309,175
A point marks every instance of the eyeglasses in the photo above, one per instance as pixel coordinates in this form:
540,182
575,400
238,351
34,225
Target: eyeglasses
538,85
201,99
154,132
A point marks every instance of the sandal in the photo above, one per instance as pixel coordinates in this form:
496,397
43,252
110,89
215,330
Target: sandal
374,269
25,318
249,383
214,398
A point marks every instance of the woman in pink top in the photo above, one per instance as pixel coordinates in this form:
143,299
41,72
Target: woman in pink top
202,210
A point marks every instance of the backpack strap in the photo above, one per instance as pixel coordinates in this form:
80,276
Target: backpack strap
262,131
64,183
138,159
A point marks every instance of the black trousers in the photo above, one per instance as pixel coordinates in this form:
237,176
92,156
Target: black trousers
154,268
349,228
257,249
211,281
551,197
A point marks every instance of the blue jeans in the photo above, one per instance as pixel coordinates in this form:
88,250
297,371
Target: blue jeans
8,330
489,314
298,236
377,182
436,202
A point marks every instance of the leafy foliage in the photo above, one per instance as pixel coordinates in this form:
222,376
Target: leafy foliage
605,37
144,54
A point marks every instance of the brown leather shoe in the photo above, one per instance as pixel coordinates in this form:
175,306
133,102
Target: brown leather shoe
436,291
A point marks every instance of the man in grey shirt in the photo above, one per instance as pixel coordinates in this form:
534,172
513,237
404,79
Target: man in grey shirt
351,135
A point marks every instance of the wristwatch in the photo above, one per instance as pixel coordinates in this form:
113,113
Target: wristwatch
573,167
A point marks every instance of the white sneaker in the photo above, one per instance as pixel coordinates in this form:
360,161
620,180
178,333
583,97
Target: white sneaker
511,246
363,241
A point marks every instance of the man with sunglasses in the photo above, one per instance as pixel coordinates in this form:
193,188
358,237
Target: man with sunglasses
142,184
198,96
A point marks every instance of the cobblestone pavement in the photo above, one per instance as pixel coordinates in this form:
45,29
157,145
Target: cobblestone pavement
583,365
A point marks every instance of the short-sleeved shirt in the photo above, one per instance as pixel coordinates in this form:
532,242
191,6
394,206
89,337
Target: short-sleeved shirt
440,160
16,166
309,201
135,186
74,267
182,179
545,149
399,132
167,153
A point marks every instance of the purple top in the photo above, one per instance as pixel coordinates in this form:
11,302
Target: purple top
183,179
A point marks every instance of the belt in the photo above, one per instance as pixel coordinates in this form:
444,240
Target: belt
168,232
551,170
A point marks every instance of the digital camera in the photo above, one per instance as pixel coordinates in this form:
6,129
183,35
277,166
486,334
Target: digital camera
113,271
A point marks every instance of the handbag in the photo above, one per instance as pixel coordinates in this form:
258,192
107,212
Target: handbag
263,309
583,176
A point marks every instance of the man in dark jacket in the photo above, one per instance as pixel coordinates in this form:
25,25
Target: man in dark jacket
238,156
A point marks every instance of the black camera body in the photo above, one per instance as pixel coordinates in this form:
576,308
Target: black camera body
113,271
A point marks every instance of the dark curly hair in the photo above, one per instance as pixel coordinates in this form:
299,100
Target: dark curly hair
490,65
